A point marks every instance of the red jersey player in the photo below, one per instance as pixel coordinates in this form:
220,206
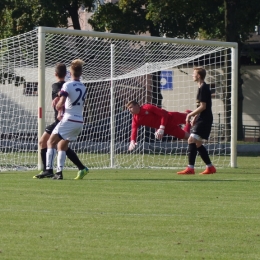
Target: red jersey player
165,122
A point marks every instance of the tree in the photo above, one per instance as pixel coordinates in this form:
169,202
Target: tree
118,19
68,8
182,19
5,22
21,16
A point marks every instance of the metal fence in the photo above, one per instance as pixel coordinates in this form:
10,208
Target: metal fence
251,133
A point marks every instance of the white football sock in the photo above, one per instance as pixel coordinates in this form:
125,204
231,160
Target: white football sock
50,156
61,160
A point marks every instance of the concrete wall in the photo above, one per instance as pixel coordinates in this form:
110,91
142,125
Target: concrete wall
251,91
19,112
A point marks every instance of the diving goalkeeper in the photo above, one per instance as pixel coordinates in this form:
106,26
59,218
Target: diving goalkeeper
165,122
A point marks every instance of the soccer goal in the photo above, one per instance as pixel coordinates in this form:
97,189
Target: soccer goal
118,68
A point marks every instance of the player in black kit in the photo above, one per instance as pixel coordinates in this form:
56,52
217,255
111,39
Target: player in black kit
201,123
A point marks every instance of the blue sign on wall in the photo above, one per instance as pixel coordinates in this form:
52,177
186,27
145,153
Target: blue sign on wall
166,79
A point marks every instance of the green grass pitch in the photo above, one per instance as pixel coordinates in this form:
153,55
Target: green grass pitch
132,214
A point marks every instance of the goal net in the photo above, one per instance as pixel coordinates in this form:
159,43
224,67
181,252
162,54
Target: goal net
118,68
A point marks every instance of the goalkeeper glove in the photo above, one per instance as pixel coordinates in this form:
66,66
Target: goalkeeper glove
132,145
159,133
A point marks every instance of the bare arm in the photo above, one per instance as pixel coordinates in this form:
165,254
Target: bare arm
61,102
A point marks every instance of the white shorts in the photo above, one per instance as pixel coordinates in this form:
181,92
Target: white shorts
68,130
197,137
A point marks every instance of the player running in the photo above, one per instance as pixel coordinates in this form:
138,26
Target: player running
165,122
72,97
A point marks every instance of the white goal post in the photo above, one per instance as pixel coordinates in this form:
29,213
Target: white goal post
118,68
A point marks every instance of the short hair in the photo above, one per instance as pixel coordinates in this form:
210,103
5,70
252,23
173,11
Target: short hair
201,71
61,70
76,67
132,102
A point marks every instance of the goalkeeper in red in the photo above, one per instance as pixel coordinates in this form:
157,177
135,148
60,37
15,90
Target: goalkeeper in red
165,122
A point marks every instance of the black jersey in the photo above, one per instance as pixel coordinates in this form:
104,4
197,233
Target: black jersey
56,87
204,95
204,121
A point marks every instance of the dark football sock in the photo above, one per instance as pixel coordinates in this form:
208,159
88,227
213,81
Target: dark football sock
43,156
204,154
192,153
74,158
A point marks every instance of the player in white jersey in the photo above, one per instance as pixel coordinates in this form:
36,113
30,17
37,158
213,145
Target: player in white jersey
60,73
72,97
75,92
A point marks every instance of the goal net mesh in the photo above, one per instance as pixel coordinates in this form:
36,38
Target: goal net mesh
148,72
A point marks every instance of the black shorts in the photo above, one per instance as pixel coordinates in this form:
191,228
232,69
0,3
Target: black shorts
50,128
202,129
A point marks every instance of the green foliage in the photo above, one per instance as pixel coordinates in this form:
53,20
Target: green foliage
6,3
6,27
173,18
110,17
178,18
187,19
24,15
246,16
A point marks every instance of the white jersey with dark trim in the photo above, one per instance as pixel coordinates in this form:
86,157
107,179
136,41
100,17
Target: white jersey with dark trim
75,92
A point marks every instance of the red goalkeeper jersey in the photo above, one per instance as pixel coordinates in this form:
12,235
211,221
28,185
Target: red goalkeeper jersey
153,116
